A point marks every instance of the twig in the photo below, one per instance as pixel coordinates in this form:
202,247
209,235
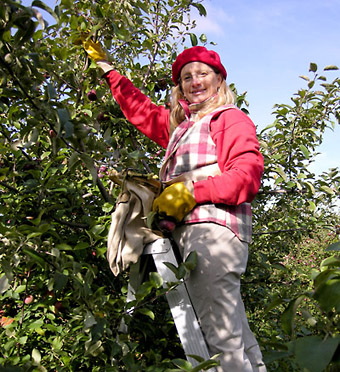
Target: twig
279,231
280,191
9,187
71,224
103,191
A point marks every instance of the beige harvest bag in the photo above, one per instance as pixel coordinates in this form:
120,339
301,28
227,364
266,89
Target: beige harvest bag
129,234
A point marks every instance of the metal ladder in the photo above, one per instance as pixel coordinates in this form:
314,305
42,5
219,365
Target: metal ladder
182,311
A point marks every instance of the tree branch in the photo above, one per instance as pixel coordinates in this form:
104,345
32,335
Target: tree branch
280,231
9,187
281,191
103,191
71,224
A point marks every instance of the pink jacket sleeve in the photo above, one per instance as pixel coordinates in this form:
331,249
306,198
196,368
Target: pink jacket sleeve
147,117
239,159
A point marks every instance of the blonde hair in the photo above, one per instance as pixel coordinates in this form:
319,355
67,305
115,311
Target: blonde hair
225,96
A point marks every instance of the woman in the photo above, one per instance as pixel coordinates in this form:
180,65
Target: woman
213,212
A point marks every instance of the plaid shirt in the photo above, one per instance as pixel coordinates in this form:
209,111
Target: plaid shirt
192,147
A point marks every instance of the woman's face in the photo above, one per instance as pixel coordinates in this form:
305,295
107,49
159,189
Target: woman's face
199,81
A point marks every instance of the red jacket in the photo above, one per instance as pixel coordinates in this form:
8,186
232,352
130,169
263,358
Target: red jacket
233,132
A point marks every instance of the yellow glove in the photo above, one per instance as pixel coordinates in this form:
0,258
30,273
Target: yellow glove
94,50
175,201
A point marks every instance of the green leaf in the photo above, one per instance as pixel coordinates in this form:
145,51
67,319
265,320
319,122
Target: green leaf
150,218
313,67
36,356
4,284
36,324
305,151
63,115
273,356
182,271
107,207
172,267
42,5
333,247
88,161
183,364
37,220
327,190
20,288
69,129
310,186
328,295
312,206
64,247
89,320
57,343
203,38
276,301
24,34
201,9
143,290
81,246
193,39
331,67
191,261
99,11
330,262
288,316
60,281
323,276
268,127
311,84
37,257
304,77
156,279
203,366
281,172
52,94
147,312
73,161
313,353
39,17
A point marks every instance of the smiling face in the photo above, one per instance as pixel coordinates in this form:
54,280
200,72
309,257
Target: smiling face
199,82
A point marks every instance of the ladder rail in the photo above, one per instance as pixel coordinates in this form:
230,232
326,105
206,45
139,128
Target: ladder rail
182,311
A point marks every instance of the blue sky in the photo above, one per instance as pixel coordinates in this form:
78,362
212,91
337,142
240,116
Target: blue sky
266,45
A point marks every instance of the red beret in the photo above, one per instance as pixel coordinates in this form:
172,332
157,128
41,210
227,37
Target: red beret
197,54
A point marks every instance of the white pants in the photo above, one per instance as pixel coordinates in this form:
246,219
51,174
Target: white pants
214,289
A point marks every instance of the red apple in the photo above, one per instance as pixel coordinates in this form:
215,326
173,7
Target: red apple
102,117
28,300
52,133
59,306
92,95
167,225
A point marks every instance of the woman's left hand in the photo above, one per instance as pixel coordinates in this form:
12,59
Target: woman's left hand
175,201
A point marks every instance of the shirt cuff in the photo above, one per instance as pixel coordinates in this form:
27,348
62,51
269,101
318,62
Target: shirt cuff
105,66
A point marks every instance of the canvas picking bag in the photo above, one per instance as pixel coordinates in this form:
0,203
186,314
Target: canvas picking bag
128,232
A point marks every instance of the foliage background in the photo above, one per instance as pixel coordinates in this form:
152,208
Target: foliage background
61,308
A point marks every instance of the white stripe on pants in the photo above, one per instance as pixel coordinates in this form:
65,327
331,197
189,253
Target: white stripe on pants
214,289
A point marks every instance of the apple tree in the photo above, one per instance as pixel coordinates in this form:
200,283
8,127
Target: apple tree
61,132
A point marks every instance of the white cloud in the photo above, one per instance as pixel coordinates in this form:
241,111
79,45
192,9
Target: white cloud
215,21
